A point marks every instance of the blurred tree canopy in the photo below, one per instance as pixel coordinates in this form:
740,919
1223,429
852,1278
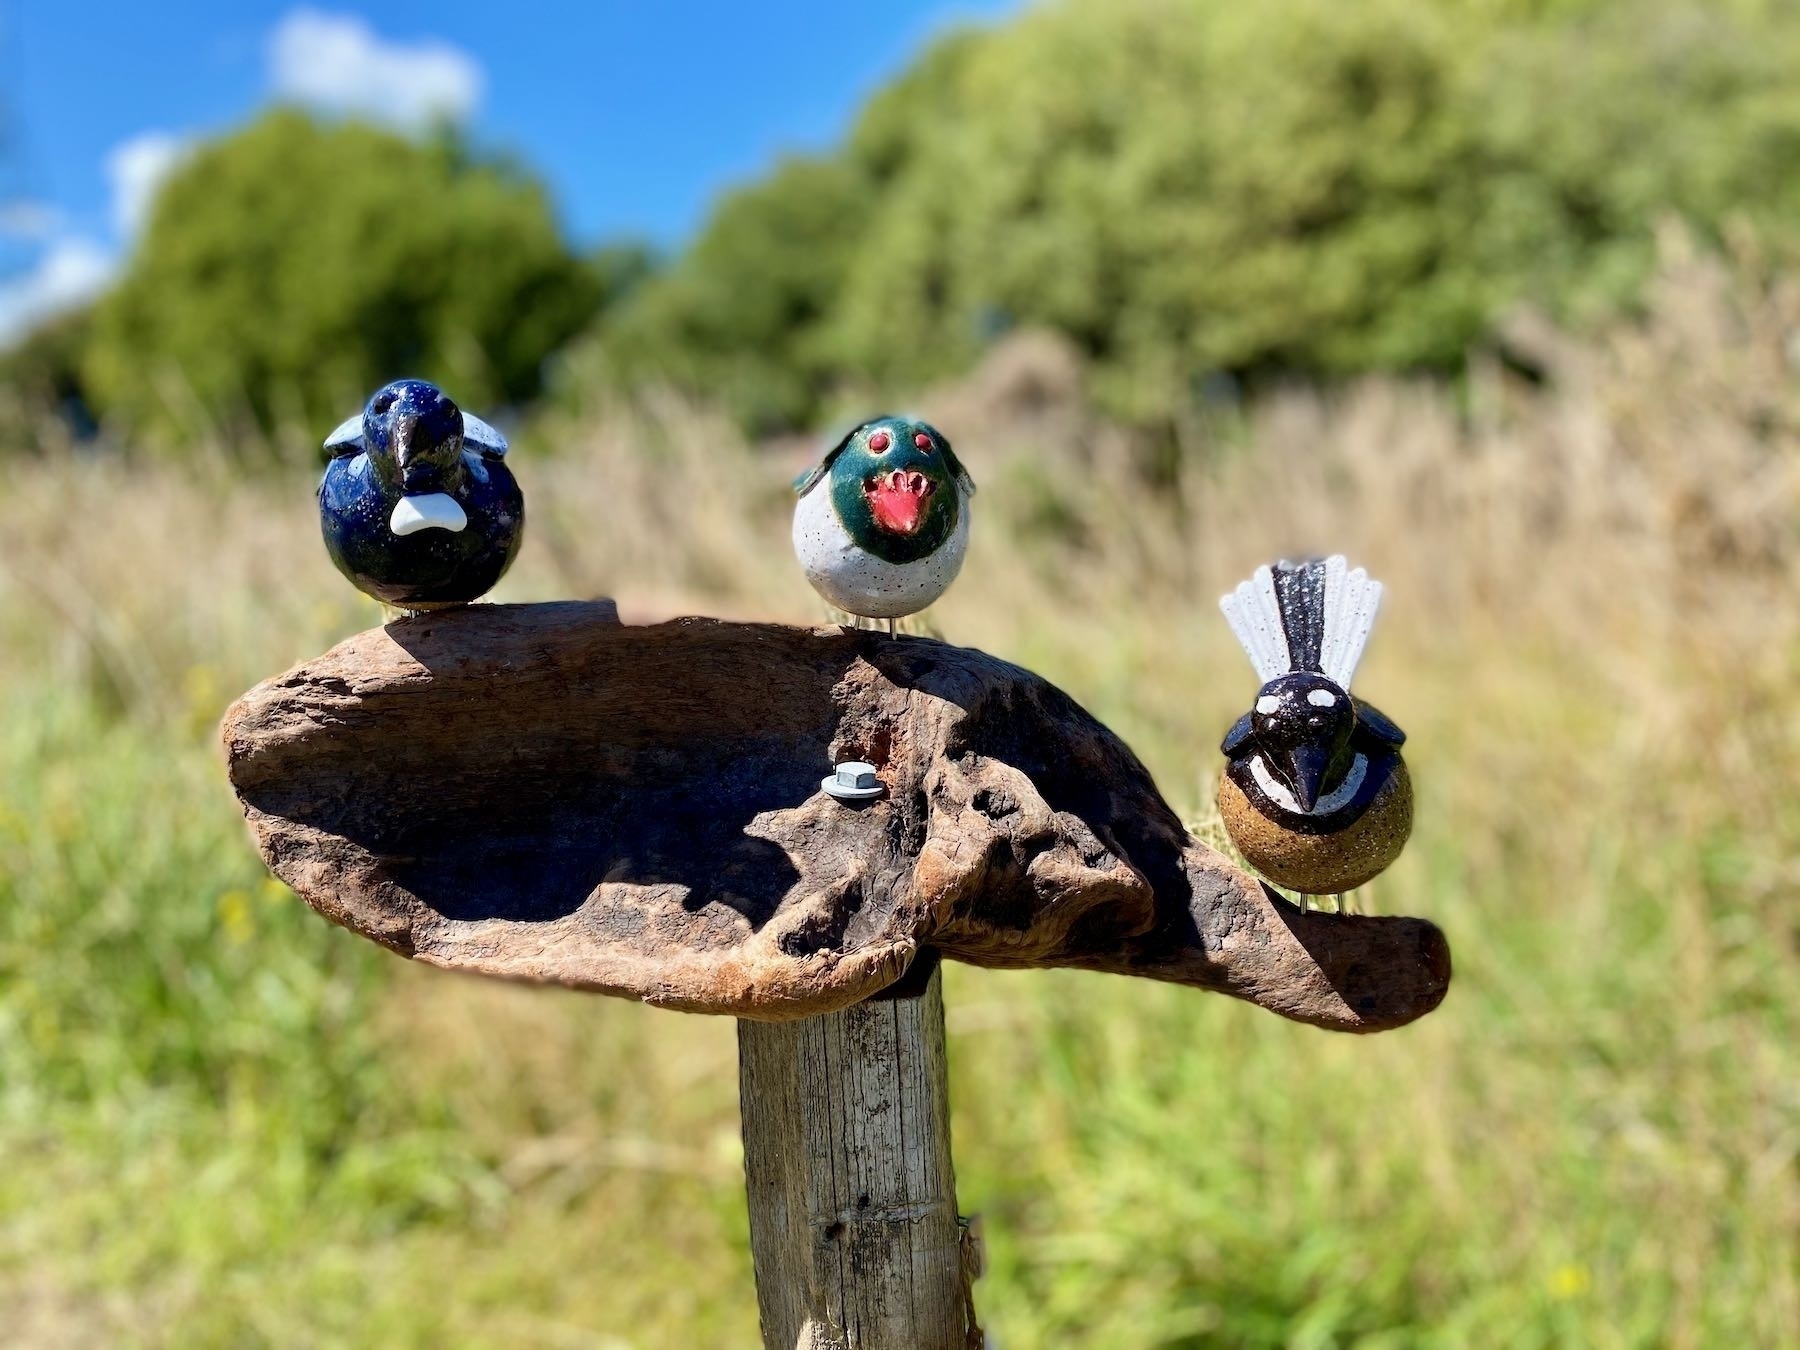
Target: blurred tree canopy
1188,187
291,266
1185,188
743,319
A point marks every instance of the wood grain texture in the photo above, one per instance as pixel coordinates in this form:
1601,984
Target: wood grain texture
853,1224
540,792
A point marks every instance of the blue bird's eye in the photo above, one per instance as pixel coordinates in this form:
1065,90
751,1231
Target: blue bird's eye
384,401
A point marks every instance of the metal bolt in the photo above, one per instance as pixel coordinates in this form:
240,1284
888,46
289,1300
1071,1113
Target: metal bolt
852,781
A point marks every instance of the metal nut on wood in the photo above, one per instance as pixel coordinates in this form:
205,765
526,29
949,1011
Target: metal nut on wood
852,781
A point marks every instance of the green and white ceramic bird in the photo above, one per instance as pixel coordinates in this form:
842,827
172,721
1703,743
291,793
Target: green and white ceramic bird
883,519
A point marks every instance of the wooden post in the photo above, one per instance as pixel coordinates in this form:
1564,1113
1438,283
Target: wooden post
853,1223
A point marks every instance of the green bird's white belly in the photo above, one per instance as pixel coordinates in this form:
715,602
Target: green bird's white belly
858,582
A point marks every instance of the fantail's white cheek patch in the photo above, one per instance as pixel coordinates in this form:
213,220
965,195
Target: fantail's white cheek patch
427,511
1321,698
1267,704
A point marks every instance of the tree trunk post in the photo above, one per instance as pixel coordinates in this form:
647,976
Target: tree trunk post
853,1223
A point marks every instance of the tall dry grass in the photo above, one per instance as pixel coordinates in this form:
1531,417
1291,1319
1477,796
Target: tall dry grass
1592,635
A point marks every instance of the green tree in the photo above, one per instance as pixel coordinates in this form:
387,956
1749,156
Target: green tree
290,267
742,319
40,382
1187,187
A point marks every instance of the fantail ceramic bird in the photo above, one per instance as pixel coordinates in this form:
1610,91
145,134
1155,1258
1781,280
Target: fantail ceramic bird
1314,794
418,508
883,519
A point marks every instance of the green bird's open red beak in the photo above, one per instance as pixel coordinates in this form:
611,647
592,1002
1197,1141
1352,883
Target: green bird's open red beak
898,499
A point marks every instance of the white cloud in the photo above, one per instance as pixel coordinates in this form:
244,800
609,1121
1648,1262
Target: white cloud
28,220
136,169
332,61
72,268
70,272
337,62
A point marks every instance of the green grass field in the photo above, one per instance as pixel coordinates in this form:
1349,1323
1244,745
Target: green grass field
225,1123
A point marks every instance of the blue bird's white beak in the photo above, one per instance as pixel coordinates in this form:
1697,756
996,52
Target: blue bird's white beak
427,511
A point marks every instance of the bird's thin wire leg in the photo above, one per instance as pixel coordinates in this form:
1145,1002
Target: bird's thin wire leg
891,622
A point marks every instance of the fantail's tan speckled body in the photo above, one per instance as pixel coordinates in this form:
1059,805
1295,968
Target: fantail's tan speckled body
1321,864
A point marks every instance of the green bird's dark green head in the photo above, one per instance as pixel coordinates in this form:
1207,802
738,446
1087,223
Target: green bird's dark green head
896,486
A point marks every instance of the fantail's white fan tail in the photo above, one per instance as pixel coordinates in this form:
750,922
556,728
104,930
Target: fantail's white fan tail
1254,613
1352,600
1305,616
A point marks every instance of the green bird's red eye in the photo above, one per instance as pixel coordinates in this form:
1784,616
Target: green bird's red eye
880,441
922,441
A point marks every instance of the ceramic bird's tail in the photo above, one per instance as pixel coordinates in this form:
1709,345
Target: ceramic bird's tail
1313,615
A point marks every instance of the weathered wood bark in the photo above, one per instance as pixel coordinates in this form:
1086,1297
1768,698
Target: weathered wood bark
853,1223
543,793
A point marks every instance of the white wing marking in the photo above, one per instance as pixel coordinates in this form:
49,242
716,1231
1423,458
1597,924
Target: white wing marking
348,432
478,433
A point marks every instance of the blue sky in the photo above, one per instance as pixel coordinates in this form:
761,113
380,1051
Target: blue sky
637,113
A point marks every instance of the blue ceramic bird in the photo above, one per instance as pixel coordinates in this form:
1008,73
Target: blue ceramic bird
418,508
882,523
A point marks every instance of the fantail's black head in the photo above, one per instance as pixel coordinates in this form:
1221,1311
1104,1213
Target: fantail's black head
1302,724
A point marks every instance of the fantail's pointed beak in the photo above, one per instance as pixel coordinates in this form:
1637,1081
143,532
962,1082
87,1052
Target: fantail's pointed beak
1304,769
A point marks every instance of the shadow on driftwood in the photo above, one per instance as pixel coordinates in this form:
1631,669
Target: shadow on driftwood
541,792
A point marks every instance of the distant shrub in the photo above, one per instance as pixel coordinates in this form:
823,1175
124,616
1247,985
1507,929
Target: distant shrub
290,266
1187,187
744,318
41,393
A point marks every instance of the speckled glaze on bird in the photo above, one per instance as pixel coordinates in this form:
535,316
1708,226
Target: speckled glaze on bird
1315,794
417,506
883,519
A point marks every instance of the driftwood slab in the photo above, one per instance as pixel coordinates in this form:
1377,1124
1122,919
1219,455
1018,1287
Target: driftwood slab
543,793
